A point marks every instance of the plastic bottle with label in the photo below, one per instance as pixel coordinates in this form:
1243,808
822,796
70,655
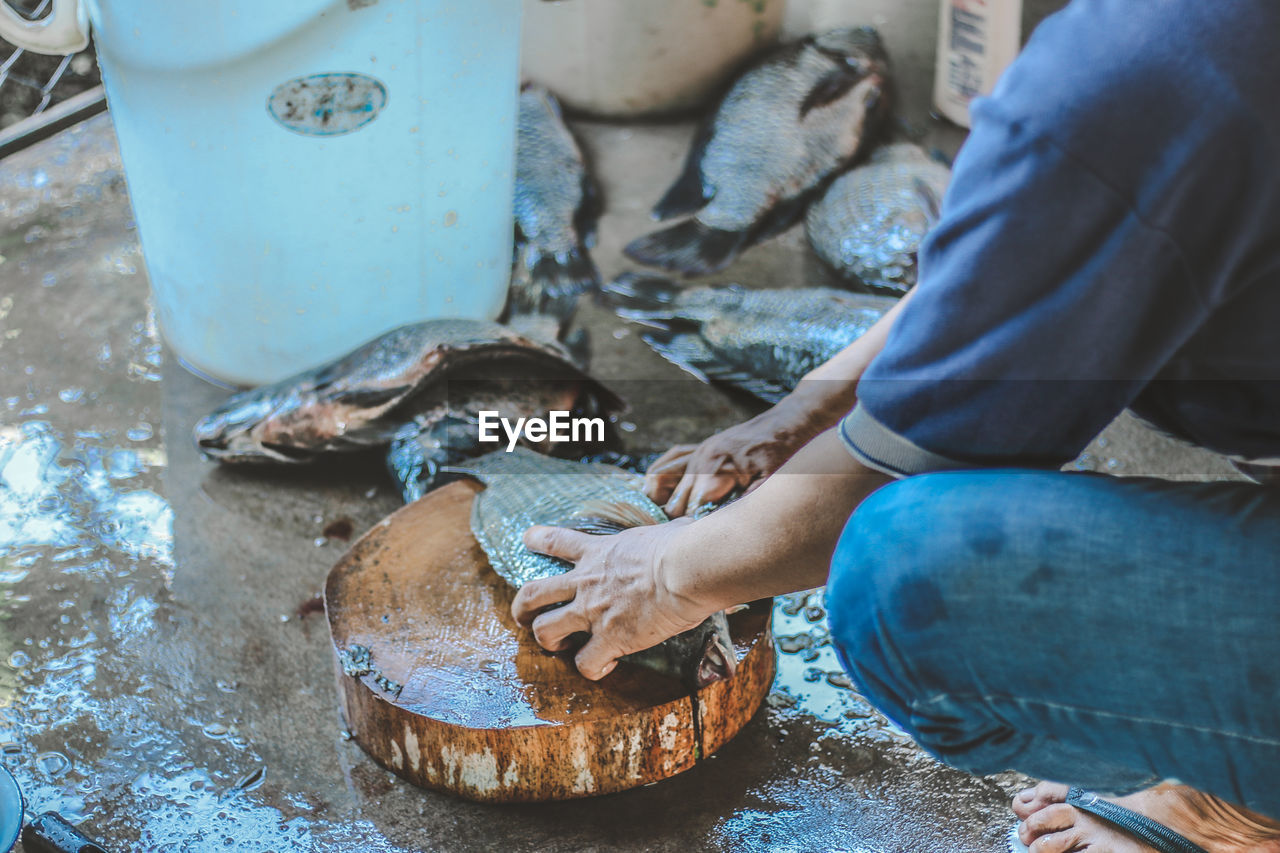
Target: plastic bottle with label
977,40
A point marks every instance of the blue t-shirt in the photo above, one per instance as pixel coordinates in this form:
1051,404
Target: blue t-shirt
1110,239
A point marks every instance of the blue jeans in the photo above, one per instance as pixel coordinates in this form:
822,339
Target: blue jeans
1095,631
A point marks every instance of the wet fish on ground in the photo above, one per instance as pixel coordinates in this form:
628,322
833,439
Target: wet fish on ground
869,225
418,388
557,205
759,341
786,127
523,489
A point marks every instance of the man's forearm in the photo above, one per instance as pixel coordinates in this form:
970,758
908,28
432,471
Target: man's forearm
829,391
779,538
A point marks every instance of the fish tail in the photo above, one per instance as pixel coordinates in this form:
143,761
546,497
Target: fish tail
691,353
691,248
642,292
554,283
563,279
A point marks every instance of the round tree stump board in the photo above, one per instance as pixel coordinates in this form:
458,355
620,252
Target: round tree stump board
440,685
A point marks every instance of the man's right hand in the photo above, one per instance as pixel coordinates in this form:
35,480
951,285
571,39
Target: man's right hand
688,476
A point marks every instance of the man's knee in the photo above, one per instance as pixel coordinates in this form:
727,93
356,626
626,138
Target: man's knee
883,593
911,588
908,550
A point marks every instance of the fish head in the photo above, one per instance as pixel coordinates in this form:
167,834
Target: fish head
858,47
247,428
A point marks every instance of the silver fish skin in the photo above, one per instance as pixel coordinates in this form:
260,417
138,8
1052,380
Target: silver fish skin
523,489
557,204
869,225
786,127
759,341
414,374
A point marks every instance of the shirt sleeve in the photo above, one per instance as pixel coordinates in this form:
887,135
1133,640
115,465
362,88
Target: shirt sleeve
1045,305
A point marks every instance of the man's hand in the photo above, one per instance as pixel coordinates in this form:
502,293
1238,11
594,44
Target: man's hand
634,590
743,456
617,592
688,476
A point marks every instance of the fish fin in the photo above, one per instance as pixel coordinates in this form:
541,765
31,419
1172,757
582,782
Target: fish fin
686,351
690,353
690,247
587,217
642,292
829,89
554,283
781,217
603,518
690,192
419,460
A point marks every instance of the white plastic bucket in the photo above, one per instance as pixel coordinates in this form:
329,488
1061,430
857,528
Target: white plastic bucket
625,58
307,174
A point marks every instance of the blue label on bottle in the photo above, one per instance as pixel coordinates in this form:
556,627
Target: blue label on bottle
327,104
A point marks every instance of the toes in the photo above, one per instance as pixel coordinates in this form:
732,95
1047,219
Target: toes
1034,799
1051,819
1067,841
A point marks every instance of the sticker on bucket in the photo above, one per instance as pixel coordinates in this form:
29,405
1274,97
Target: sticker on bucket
327,104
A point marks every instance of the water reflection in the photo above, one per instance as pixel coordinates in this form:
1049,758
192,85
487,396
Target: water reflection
57,498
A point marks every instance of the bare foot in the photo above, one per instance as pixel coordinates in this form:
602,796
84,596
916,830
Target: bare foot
1051,826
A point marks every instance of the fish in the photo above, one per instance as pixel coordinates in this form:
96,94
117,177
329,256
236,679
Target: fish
524,489
760,341
417,389
557,206
869,225
785,128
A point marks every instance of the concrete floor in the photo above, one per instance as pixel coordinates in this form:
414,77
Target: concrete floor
161,687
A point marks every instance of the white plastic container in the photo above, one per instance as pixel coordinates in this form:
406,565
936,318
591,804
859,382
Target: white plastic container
626,58
977,41
307,174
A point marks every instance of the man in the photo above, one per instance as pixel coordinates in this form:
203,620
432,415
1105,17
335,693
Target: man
1111,240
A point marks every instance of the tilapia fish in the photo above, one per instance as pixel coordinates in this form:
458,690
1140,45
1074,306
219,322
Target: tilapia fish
557,204
785,128
760,341
523,489
419,386
870,223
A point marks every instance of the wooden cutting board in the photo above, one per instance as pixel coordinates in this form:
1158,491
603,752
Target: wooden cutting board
452,694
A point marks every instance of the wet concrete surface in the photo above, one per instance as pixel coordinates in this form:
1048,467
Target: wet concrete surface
164,681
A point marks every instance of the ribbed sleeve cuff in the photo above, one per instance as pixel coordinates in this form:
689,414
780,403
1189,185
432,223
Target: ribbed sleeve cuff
876,446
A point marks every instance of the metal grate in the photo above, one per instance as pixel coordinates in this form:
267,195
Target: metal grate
31,83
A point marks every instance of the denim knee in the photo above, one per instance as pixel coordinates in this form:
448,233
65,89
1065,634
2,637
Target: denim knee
895,576
870,619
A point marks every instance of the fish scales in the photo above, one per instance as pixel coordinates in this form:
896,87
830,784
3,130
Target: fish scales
871,222
760,341
556,208
524,489
784,129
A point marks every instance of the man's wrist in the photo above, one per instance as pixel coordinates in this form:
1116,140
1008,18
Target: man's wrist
813,408
682,577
